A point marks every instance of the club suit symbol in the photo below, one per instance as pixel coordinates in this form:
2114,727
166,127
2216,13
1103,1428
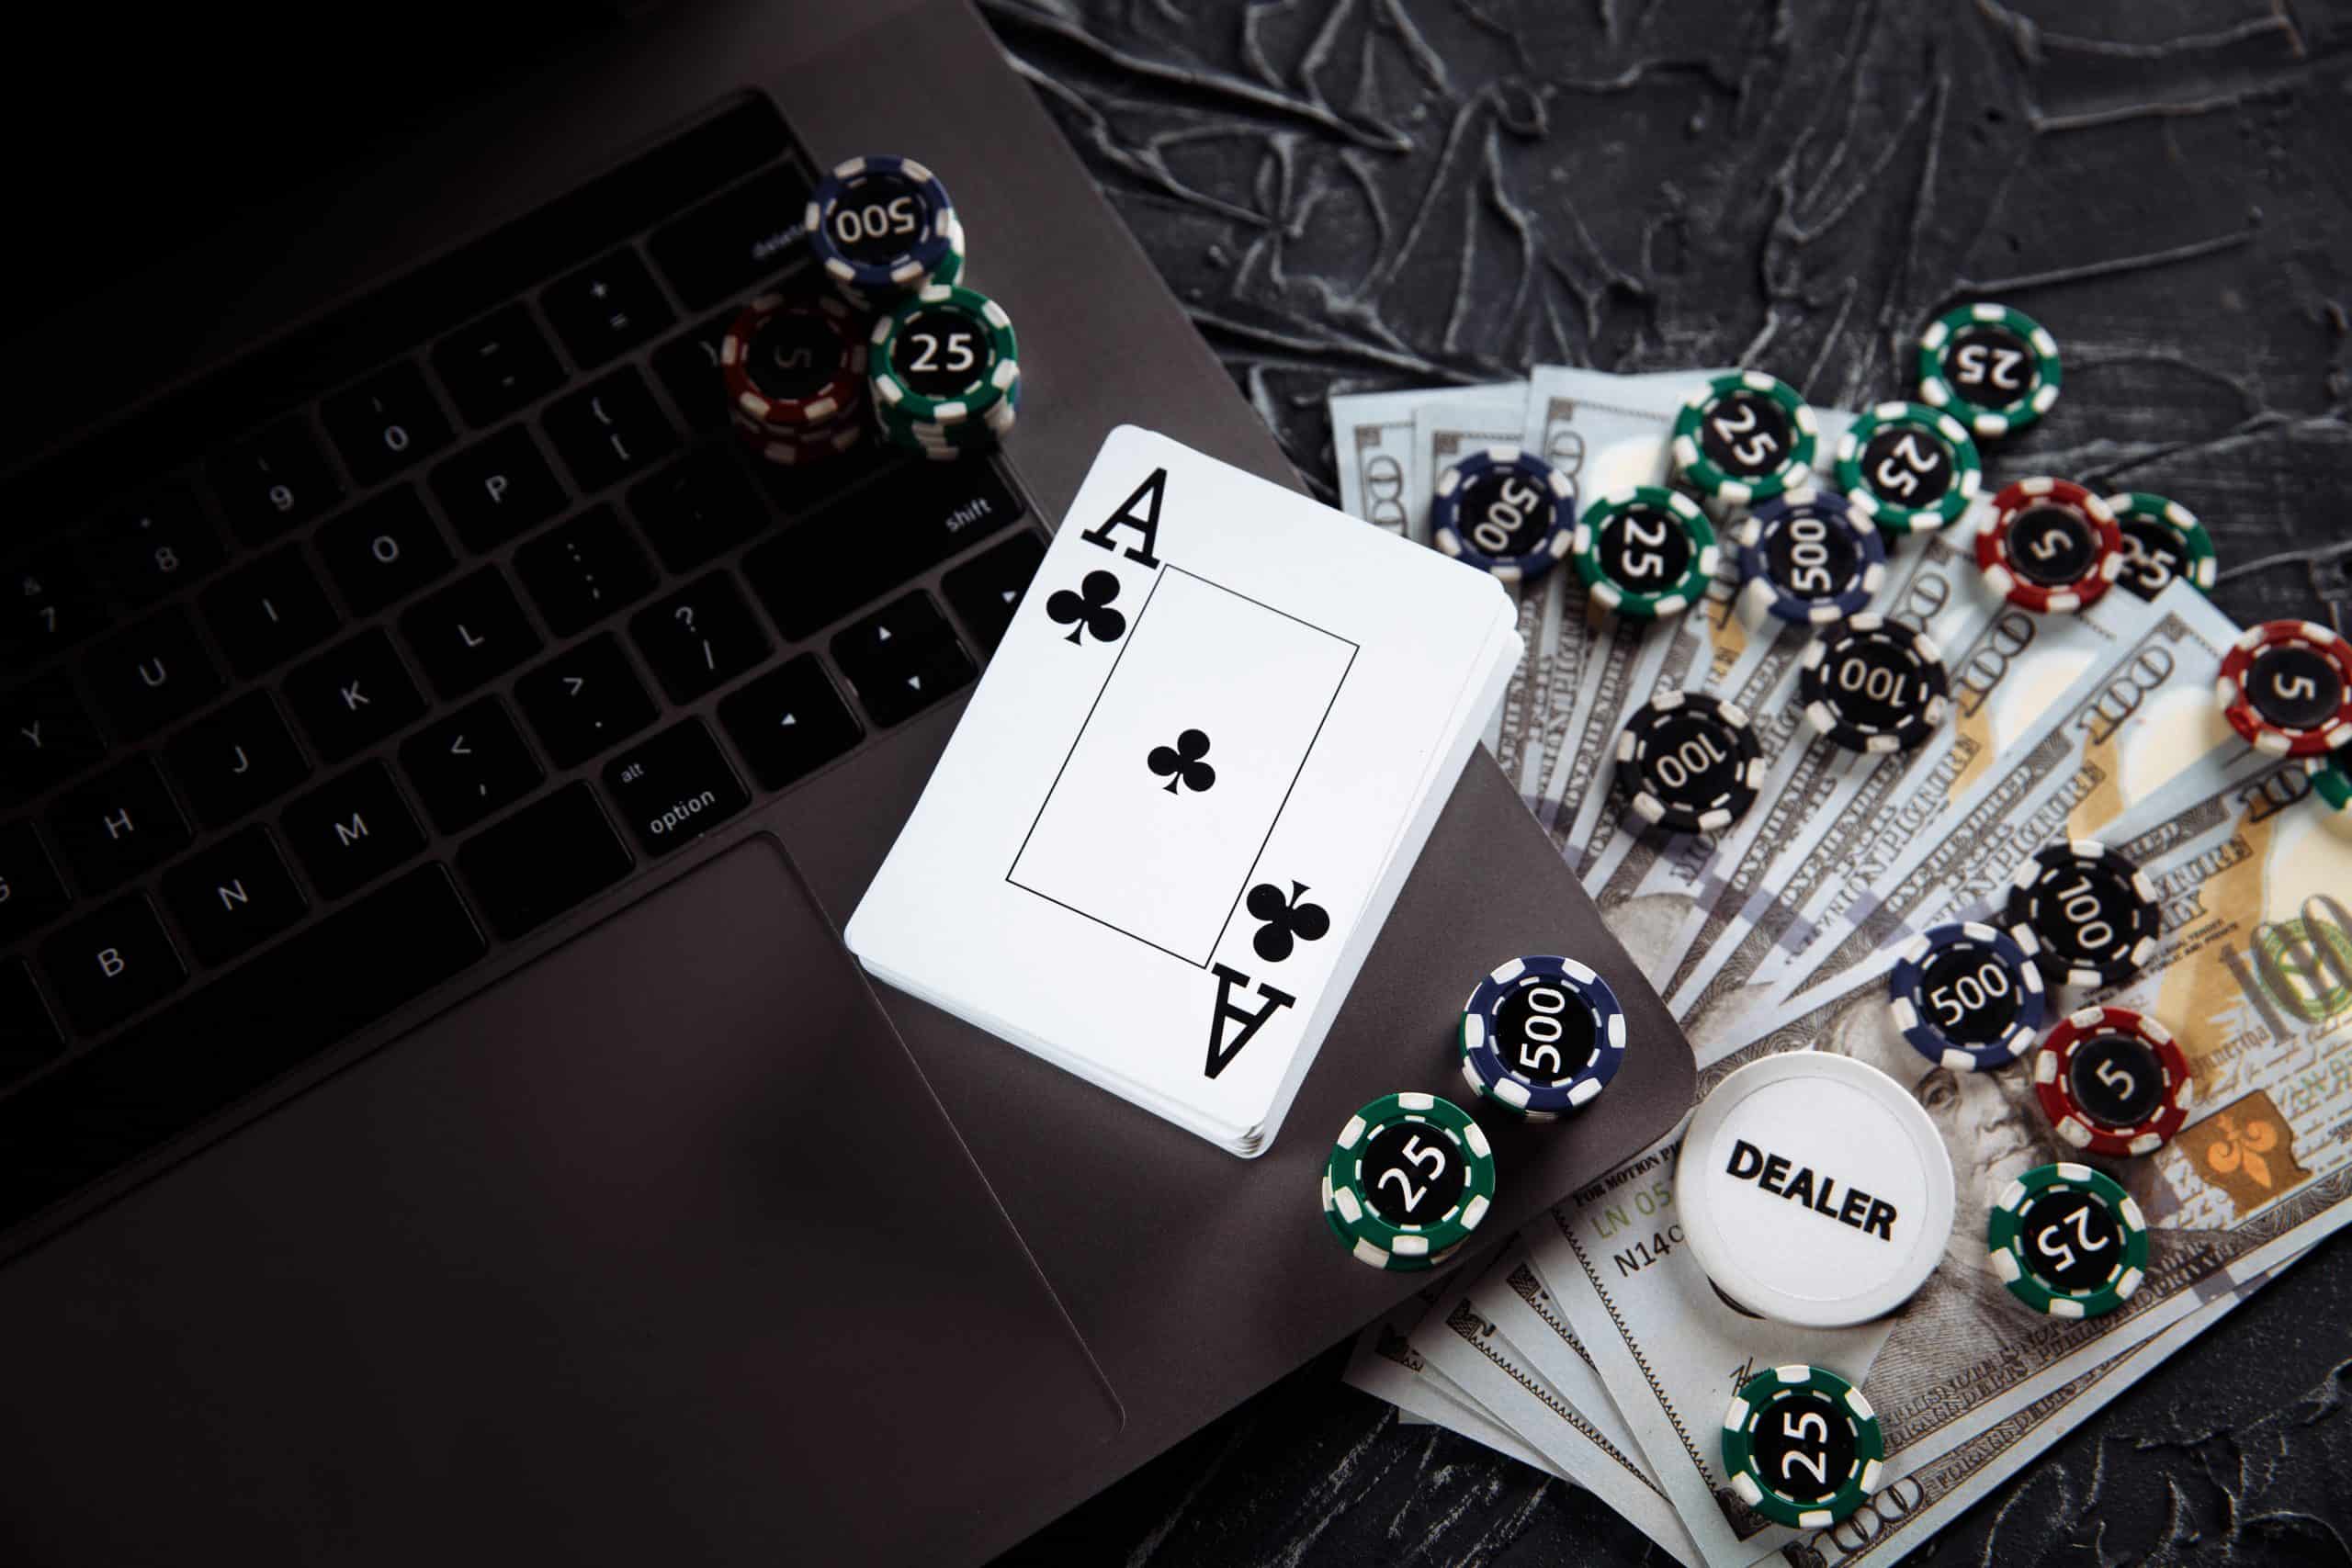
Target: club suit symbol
1287,919
1088,611
1180,764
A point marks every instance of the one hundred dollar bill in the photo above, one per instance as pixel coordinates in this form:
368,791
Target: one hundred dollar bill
1464,1344
2119,734
2007,666
1371,440
1385,1365
1673,895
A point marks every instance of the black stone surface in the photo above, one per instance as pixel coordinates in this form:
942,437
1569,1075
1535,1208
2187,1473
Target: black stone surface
1357,194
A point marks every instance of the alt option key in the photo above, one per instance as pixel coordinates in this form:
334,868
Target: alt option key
673,787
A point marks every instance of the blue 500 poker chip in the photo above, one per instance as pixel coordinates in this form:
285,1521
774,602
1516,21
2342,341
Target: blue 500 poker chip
1504,511
1807,557
1541,1035
1968,997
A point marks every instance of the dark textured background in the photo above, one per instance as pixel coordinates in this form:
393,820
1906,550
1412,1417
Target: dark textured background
1358,194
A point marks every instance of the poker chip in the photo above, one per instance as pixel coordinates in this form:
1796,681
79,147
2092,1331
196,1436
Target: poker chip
1541,1035
1874,685
2286,687
1645,552
2332,789
1907,467
2068,1241
1744,437
1377,1257
2162,540
1689,763
2094,912
2050,545
1411,1175
1968,997
946,356
1814,1190
793,365
1996,368
1802,1446
879,225
1807,557
2113,1081
1504,511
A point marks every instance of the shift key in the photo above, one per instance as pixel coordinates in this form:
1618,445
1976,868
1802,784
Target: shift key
675,787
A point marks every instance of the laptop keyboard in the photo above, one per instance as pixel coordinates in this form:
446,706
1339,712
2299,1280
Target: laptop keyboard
423,625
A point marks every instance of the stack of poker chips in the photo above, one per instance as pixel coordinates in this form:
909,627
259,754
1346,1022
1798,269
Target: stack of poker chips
795,372
945,368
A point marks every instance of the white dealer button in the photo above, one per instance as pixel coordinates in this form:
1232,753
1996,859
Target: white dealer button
1815,1190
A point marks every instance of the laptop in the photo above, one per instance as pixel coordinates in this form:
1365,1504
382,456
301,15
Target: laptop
440,1121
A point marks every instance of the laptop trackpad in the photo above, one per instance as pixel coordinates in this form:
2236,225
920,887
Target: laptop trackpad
662,1241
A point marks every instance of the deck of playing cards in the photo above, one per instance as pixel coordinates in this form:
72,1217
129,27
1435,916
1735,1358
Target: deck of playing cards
1189,788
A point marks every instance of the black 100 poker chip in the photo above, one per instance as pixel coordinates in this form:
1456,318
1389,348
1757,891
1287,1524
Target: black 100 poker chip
1874,685
2092,912
1689,763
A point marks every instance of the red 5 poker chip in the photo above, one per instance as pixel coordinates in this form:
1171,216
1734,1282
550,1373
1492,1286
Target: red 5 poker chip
2286,687
2113,1081
2049,546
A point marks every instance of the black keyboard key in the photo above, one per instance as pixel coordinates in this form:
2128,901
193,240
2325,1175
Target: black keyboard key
29,1036
578,572
235,761
608,429
540,861
606,308
696,508
496,488
311,991
673,787
155,546
46,735
352,695
152,675
496,364
585,699
688,367
276,481
733,240
386,422
825,567
469,632
352,829
987,589
31,894
789,722
703,636
383,549
116,825
265,614
106,966
468,766
46,603
902,658
232,897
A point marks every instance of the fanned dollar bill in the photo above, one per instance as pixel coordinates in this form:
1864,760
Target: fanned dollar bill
1464,1343
2009,667
1671,895
1385,1365
1372,437
2120,733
